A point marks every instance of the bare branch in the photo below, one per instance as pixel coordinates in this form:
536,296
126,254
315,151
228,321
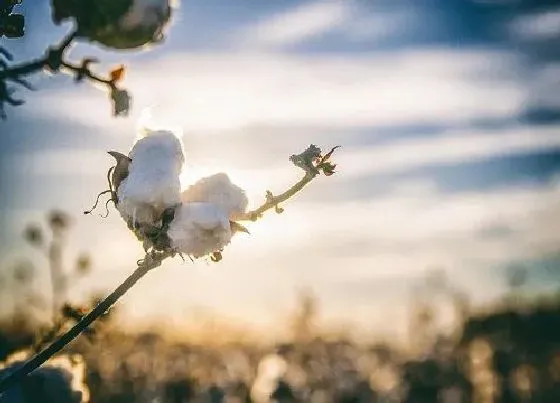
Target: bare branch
313,163
38,64
54,61
273,201
83,71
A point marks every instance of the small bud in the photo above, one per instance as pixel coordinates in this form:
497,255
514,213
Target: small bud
83,264
216,256
328,168
269,196
58,220
306,159
34,235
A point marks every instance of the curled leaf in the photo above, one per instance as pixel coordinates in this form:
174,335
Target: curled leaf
328,168
121,169
117,74
236,227
328,155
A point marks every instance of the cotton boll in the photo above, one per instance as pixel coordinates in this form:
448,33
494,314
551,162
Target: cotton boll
199,229
160,148
117,24
219,190
152,184
145,13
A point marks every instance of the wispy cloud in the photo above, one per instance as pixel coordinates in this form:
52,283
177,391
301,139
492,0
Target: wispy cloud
296,25
349,21
225,91
543,25
451,148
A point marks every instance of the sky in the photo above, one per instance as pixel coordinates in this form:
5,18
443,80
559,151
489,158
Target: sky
448,112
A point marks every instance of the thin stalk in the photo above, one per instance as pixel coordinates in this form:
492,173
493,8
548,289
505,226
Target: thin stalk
151,261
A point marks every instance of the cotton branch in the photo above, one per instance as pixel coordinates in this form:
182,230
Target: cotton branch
151,261
54,60
313,163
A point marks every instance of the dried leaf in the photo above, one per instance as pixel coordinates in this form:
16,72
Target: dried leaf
117,74
328,155
236,227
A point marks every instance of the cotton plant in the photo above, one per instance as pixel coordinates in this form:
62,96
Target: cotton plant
198,221
115,25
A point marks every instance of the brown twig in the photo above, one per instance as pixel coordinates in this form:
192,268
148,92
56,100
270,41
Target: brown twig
273,201
313,163
54,61
151,261
82,71
40,63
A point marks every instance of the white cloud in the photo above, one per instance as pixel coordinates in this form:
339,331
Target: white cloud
537,26
347,20
405,155
378,26
545,86
452,148
399,233
65,162
228,91
301,23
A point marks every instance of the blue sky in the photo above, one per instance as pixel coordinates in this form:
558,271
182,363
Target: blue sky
448,112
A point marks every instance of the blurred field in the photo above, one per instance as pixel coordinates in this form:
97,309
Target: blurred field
506,352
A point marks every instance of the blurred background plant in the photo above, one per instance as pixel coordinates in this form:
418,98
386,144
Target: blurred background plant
40,313
508,351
